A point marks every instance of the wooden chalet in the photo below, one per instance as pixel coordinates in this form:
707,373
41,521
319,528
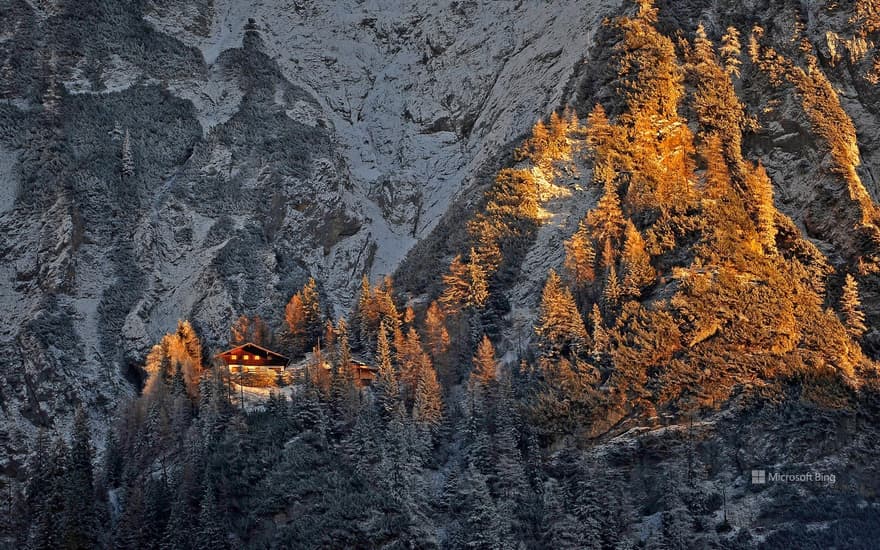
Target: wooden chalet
250,357
364,373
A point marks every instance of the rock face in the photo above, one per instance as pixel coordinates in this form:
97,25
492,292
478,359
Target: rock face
267,144
281,140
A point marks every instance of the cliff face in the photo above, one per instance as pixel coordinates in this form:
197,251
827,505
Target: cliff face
320,139
332,139
202,159
807,86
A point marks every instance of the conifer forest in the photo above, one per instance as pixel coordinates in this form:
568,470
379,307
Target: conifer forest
568,274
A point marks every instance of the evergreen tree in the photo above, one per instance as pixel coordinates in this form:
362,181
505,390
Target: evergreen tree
718,108
211,534
636,263
179,533
130,530
177,387
484,364
509,482
428,403
304,319
8,88
127,157
318,373
156,507
409,317
449,494
589,509
676,523
601,339
606,220
307,411
213,404
412,360
385,386
295,319
580,257
39,484
465,284
181,347
477,444
731,50
362,317
362,445
763,207
438,342
613,292
117,133
192,348
343,348
113,459
48,527
397,467
535,147
80,519
609,254
560,326
851,308
344,394
386,307
703,47
558,128
659,145
328,340
313,323
600,138
483,525
540,135
560,528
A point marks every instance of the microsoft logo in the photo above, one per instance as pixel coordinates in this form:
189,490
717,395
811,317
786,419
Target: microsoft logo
759,477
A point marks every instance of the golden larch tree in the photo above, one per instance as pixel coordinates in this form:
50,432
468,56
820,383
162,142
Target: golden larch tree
466,284
436,333
606,220
427,409
851,308
580,257
730,51
601,339
635,262
560,327
613,292
484,363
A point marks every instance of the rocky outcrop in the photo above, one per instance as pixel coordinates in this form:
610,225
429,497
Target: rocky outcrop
269,143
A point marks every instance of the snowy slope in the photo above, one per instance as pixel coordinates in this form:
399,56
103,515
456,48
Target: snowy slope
321,139
418,95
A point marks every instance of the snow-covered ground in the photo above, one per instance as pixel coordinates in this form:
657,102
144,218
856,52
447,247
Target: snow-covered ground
255,398
567,197
418,97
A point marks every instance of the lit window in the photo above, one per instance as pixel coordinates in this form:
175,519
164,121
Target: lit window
234,356
246,357
256,357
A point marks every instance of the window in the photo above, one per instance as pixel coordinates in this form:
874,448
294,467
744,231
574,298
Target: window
233,356
256,357
246,357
